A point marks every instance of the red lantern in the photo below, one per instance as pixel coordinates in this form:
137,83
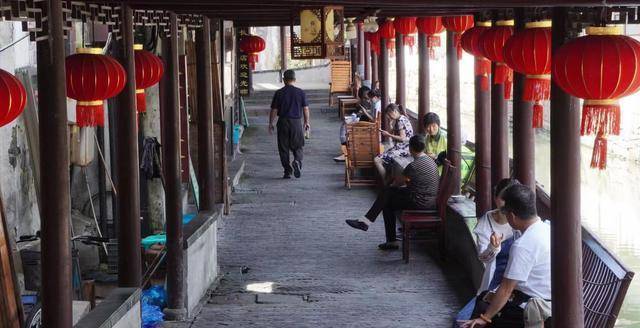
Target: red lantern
491,44
91,78
470,42
149,69
386,30
13,98
252,45
374,39
406,26
457,25
431,26
599,68
529,52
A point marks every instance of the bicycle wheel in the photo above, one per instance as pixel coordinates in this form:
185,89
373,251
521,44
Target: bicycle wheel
34,320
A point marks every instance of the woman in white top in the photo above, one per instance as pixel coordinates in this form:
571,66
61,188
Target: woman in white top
494,237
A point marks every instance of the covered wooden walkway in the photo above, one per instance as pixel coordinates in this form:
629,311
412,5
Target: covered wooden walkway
288,239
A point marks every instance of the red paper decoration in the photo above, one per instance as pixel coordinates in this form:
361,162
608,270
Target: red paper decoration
458,25
387,31
252,45
470,42
91,78
529,52
406,26
431,26
599,68
491,44
149,69
13,98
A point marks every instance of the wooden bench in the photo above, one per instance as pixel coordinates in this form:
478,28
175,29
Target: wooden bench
605,281
413,220
340,79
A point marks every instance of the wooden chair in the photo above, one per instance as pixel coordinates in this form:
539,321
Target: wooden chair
363,144
346,105
340,79
413,220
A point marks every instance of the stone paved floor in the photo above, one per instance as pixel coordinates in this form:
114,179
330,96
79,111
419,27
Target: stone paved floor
288,239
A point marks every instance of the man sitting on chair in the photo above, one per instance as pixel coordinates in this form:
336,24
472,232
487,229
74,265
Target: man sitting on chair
421,178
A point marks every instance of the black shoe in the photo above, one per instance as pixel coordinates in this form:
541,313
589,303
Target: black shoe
287,176
297,167
388,246
357,224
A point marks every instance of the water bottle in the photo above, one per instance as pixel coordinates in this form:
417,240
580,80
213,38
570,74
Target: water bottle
307,133
354,118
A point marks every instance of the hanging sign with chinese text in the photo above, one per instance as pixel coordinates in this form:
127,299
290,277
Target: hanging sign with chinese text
244,69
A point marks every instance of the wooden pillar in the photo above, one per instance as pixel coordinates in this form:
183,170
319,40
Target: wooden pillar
424,96
384,73
484,195
401,86
499,133
523,133
205,116
173,189
128,183
566,243
56,290
374,69
360,31
354,59
283,51
454,143
367,61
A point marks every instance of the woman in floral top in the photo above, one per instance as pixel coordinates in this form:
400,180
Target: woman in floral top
401,133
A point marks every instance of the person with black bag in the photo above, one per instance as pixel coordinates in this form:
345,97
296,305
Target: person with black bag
528,272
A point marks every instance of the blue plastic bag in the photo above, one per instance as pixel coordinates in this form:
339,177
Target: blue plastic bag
153,301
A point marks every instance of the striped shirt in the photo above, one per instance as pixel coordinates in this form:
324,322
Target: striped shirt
423,181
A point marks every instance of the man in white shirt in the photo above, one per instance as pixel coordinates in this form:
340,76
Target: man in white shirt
528,272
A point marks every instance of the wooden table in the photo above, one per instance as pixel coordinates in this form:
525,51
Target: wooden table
345,104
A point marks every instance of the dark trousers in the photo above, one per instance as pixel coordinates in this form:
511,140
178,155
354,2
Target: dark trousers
290,139
390,200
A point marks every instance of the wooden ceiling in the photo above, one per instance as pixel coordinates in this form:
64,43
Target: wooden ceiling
278,12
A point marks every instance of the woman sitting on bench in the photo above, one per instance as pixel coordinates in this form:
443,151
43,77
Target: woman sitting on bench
400,135
493,242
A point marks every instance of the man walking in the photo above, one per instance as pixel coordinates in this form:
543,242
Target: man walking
290,104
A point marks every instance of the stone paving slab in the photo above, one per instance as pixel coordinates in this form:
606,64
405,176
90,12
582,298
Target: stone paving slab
288,240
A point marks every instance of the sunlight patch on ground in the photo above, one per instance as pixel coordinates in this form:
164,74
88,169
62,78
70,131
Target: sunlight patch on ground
260,287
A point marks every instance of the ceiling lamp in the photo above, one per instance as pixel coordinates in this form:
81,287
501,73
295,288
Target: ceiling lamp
371,24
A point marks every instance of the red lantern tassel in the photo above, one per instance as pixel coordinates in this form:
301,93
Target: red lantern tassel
90,113
600,116
433,41
458,43
141,101
483,69
537,87
504,75
599,156
538,115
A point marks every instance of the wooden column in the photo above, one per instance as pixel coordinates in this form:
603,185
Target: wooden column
283,50
360,31
205,116
484,195
374,69
354,59
128,183
499,133
367,61
173,189
56,290
401,86
423,80
566,243
523,133
384,73
454,143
